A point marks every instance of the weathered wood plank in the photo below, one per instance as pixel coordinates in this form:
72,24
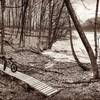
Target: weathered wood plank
34,83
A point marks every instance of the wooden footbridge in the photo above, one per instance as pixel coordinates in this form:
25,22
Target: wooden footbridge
34,83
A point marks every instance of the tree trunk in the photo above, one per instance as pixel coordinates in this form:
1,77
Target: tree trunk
56,26
50,23
40,26
2,27
24,10
83,38
72,47
95,29
9,18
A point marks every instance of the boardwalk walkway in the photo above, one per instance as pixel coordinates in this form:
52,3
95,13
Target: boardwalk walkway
34,83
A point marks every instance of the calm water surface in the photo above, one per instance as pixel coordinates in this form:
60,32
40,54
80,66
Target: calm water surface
61,50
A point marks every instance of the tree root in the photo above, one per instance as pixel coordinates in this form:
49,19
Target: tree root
80,82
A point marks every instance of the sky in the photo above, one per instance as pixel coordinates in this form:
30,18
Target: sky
82,12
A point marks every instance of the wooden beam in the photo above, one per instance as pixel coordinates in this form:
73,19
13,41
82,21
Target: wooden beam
34,83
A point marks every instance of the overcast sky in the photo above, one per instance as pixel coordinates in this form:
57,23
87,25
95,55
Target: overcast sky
82,12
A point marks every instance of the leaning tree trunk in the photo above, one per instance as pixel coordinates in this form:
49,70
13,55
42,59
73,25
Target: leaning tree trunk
83,38
72,47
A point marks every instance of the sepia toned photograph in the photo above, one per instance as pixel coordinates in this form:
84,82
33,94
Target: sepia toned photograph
49,50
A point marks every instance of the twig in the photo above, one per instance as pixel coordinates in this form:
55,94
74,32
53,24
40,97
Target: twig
7,90
85,5
3,83
80,82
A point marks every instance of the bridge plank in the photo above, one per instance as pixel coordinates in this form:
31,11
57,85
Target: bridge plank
34,83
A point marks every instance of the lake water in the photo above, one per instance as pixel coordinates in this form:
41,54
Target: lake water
61,50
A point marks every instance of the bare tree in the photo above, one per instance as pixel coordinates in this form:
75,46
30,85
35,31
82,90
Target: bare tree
72,47
2,26
51,8
56,26
24,10
83,38
95,28
42,13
